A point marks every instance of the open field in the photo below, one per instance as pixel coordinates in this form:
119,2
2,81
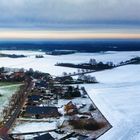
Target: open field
6,91
47,63
117,95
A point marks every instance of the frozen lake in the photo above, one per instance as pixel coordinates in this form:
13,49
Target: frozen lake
117,95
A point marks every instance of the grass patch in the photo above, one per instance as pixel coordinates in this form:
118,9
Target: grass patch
6,91
8,83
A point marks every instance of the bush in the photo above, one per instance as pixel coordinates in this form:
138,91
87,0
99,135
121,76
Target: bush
87,124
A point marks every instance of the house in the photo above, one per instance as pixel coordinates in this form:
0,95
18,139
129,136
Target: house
39,56
75,136
35,98
70,108
46,136
41,112
32,103
41,84
71,92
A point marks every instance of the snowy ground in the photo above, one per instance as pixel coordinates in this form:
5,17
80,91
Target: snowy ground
46,64
118,98
117,95
34,127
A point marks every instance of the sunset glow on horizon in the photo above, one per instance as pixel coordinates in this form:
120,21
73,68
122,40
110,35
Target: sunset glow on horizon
62,35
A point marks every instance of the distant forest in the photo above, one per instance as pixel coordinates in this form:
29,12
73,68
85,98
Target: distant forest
80,45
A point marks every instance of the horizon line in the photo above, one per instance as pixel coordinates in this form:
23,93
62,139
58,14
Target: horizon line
66,35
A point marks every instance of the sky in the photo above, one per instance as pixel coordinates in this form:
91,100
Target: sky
65,15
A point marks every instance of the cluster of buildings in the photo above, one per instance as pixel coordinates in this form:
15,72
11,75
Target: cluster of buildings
69,106
12,75
48,100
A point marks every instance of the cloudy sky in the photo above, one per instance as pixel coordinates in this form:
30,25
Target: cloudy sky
51,12
46,14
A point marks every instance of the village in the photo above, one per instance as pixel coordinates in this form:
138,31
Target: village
56,101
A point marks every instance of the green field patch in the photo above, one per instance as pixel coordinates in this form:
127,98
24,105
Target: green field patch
8,83
6,91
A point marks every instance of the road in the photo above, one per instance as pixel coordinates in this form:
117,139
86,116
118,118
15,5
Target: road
79,73
6,127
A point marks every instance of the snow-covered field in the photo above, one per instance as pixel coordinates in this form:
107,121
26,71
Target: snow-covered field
46,64
117,95
118,98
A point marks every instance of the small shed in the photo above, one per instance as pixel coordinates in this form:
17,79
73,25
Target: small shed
46,136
